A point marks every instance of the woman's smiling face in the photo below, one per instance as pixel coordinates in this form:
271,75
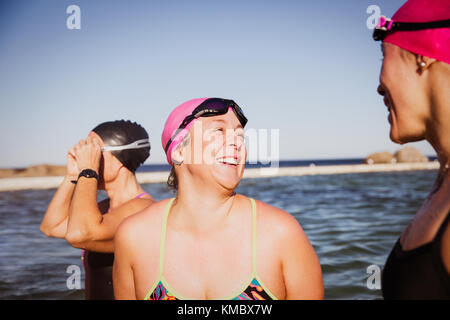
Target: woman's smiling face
216,152
403,90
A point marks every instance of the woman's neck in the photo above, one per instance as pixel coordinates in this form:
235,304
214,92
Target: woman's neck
204,207
438,130
124,188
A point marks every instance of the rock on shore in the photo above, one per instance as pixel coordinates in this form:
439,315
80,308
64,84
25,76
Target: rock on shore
42,170
408,154
380,157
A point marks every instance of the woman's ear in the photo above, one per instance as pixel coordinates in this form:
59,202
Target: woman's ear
115,164
177,155
423,63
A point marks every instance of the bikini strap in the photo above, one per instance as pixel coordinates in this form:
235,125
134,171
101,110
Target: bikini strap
142,194
254,236
162,240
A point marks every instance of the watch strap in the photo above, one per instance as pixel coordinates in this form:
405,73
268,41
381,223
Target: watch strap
88,173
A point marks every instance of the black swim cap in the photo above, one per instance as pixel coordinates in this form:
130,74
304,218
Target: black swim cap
119,133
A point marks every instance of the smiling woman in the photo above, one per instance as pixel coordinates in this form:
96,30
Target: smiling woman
415,84
209,242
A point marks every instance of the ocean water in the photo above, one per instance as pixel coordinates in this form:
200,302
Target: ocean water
282,163
352,221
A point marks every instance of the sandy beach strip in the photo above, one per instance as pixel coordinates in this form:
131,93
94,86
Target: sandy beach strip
27,183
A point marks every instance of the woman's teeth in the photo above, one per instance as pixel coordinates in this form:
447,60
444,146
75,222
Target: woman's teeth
228,160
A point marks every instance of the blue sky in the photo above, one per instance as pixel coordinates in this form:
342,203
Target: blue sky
307,68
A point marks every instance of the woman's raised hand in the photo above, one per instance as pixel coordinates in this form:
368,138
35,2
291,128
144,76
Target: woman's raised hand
88,154
71,167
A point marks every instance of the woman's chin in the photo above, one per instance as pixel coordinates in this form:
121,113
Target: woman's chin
394,132
227,175
402,138
394,137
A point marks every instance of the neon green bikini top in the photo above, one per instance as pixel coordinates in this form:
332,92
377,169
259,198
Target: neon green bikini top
253,289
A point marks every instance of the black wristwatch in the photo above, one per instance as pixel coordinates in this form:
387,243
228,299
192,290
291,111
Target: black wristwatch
88,173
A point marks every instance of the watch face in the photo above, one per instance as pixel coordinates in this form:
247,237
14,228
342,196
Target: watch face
89,173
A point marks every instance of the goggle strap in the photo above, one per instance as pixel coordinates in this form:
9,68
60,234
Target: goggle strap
411,26
138,144
202,112
386,24
172,138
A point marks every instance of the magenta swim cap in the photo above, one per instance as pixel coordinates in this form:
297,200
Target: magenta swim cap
432,43
174,121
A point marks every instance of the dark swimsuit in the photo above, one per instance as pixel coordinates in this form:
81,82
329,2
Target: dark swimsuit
419,273
98,273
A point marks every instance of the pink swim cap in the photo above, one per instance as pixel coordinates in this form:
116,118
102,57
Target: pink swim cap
432,43
174,121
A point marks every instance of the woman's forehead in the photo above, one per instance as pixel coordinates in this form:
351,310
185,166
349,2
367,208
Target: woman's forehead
229,120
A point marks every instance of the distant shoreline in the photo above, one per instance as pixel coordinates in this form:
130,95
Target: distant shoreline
52,182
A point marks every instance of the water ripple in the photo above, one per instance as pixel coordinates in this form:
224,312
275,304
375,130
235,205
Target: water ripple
352,221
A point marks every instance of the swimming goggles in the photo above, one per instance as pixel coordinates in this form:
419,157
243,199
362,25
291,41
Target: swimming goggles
139,144
209,108
386,25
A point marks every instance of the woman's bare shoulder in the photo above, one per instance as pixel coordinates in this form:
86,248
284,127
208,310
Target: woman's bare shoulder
143,223
286,237
282,231
279,221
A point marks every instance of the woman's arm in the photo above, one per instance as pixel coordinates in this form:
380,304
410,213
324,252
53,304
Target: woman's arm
301,267
85,218
84,214
302,271
96,230
88,227
123,277
54,223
